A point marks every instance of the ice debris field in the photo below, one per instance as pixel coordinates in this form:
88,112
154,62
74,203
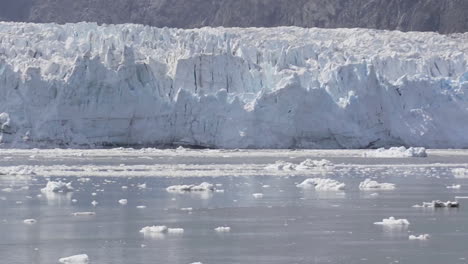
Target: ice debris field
287,87
268,205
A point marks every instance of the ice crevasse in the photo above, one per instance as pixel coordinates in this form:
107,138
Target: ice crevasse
286,87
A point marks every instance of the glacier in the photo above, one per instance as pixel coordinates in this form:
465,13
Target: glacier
85,84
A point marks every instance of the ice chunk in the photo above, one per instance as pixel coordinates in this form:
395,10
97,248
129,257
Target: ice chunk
454,186
123,201
460,173
76,259
309,164
439,204
392,221
154,229
396,152
223,229
84,213
420,237
321,184
370,185
257,195
57,187
30,221
203,187
175,230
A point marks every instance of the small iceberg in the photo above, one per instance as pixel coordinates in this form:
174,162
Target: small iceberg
370,185
391,221
76,259
438,204
420,237
321,184
203,187
397,152
57,187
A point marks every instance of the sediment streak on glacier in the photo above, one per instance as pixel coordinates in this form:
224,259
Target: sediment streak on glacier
231,88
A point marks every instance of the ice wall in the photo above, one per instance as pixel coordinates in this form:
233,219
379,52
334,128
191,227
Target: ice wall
287,87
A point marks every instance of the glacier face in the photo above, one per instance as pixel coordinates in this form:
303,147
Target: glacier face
286,87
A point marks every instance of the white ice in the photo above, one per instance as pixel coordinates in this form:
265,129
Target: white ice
396,152
285,87
370,185
322,184
76,259
57,187
392,221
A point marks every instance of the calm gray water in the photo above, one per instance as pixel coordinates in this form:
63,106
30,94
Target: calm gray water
287,225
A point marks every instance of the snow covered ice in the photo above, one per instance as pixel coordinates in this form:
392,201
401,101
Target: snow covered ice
288,87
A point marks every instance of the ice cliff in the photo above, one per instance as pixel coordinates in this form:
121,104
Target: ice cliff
287,87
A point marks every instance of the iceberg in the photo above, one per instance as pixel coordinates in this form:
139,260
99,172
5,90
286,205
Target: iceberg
85,84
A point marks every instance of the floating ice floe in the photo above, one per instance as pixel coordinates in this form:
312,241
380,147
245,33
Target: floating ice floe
257,195
222,229
454,186
76,259
141,186
30,221
439,204
396,152
84,213
307,164
420,237
123,201
148,230
370,185
141,206
203,187
153,229
94,203
391,221
460,173
175,230
57,187
321,184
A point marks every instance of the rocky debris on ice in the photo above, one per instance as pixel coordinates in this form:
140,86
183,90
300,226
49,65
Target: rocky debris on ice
203,187
370,185
76,259
57,187
460,173
396,152
391,221
439,204
223,229
286,87
420,237
322,184
30,221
